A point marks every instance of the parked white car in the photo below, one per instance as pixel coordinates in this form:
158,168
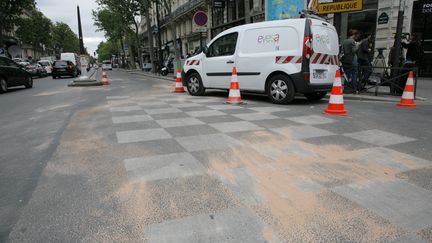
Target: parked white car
107,65
279,58
47,65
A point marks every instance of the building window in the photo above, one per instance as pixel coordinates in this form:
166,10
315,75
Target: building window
232,10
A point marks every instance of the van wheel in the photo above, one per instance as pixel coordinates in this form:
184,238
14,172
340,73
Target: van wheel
3,85
280,89
315,96
195,86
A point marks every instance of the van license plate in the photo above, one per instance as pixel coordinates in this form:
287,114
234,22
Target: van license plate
62,69
319,74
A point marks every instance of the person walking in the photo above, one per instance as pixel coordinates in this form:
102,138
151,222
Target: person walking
349,58
365,56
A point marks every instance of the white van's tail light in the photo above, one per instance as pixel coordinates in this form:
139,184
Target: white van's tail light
307,42
307,48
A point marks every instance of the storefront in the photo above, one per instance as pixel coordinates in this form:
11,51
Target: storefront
354,15
421,23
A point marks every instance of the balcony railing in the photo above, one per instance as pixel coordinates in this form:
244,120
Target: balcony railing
181,10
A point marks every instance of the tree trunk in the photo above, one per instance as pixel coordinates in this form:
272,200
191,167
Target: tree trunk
124,53
138,43
131,51
150,39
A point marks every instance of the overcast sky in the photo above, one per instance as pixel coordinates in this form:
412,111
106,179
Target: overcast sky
65,11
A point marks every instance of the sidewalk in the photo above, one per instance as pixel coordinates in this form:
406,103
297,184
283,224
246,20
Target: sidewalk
169,77
424,89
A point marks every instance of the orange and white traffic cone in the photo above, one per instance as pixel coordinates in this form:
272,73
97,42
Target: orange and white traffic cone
104,80
179,83
234,92
336,104
407,99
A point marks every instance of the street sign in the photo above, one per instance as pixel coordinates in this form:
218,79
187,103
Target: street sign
337,7
200,20
383,18
427,7
218,4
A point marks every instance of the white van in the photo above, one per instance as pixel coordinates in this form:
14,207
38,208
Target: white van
73,57
279,58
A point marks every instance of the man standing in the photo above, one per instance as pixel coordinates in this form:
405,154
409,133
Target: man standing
414,48
365,56
349,59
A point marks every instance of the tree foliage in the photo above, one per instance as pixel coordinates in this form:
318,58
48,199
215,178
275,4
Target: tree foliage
10,13
64,39
35,30
106,49
110,22
118,19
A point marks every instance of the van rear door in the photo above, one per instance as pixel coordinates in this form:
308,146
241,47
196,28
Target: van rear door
324,61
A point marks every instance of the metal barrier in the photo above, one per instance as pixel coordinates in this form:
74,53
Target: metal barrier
390,76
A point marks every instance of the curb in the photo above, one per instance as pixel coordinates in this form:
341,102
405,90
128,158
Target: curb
150,75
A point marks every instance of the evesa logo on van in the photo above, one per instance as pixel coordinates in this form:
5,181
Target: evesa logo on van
321,38
268,39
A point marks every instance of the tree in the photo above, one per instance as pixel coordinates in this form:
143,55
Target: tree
35,30
10,13
111,22
126,11
64,39
105,50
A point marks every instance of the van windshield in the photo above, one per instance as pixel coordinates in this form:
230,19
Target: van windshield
325,40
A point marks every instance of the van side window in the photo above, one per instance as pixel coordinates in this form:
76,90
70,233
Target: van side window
223,46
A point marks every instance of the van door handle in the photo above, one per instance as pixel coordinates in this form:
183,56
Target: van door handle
230,62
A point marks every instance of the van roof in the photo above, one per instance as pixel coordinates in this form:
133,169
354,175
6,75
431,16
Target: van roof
272,23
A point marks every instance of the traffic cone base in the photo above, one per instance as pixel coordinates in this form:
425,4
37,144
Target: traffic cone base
234,97
179,83
407,99
336,103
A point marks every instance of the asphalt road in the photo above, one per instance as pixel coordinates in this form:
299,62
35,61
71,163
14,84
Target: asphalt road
134,162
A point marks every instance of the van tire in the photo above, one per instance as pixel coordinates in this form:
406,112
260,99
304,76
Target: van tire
280,89
194,85
315,96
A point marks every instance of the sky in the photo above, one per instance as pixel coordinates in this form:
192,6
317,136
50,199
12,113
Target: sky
65,11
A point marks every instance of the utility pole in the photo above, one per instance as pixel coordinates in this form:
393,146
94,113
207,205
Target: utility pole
159,36
81,41
398,37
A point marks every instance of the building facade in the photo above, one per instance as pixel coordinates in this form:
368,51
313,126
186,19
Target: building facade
378,17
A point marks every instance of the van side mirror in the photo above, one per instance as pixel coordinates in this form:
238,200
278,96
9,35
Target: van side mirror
205,50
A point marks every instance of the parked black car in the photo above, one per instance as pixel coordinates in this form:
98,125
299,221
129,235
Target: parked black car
64,68
36,70
12,74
